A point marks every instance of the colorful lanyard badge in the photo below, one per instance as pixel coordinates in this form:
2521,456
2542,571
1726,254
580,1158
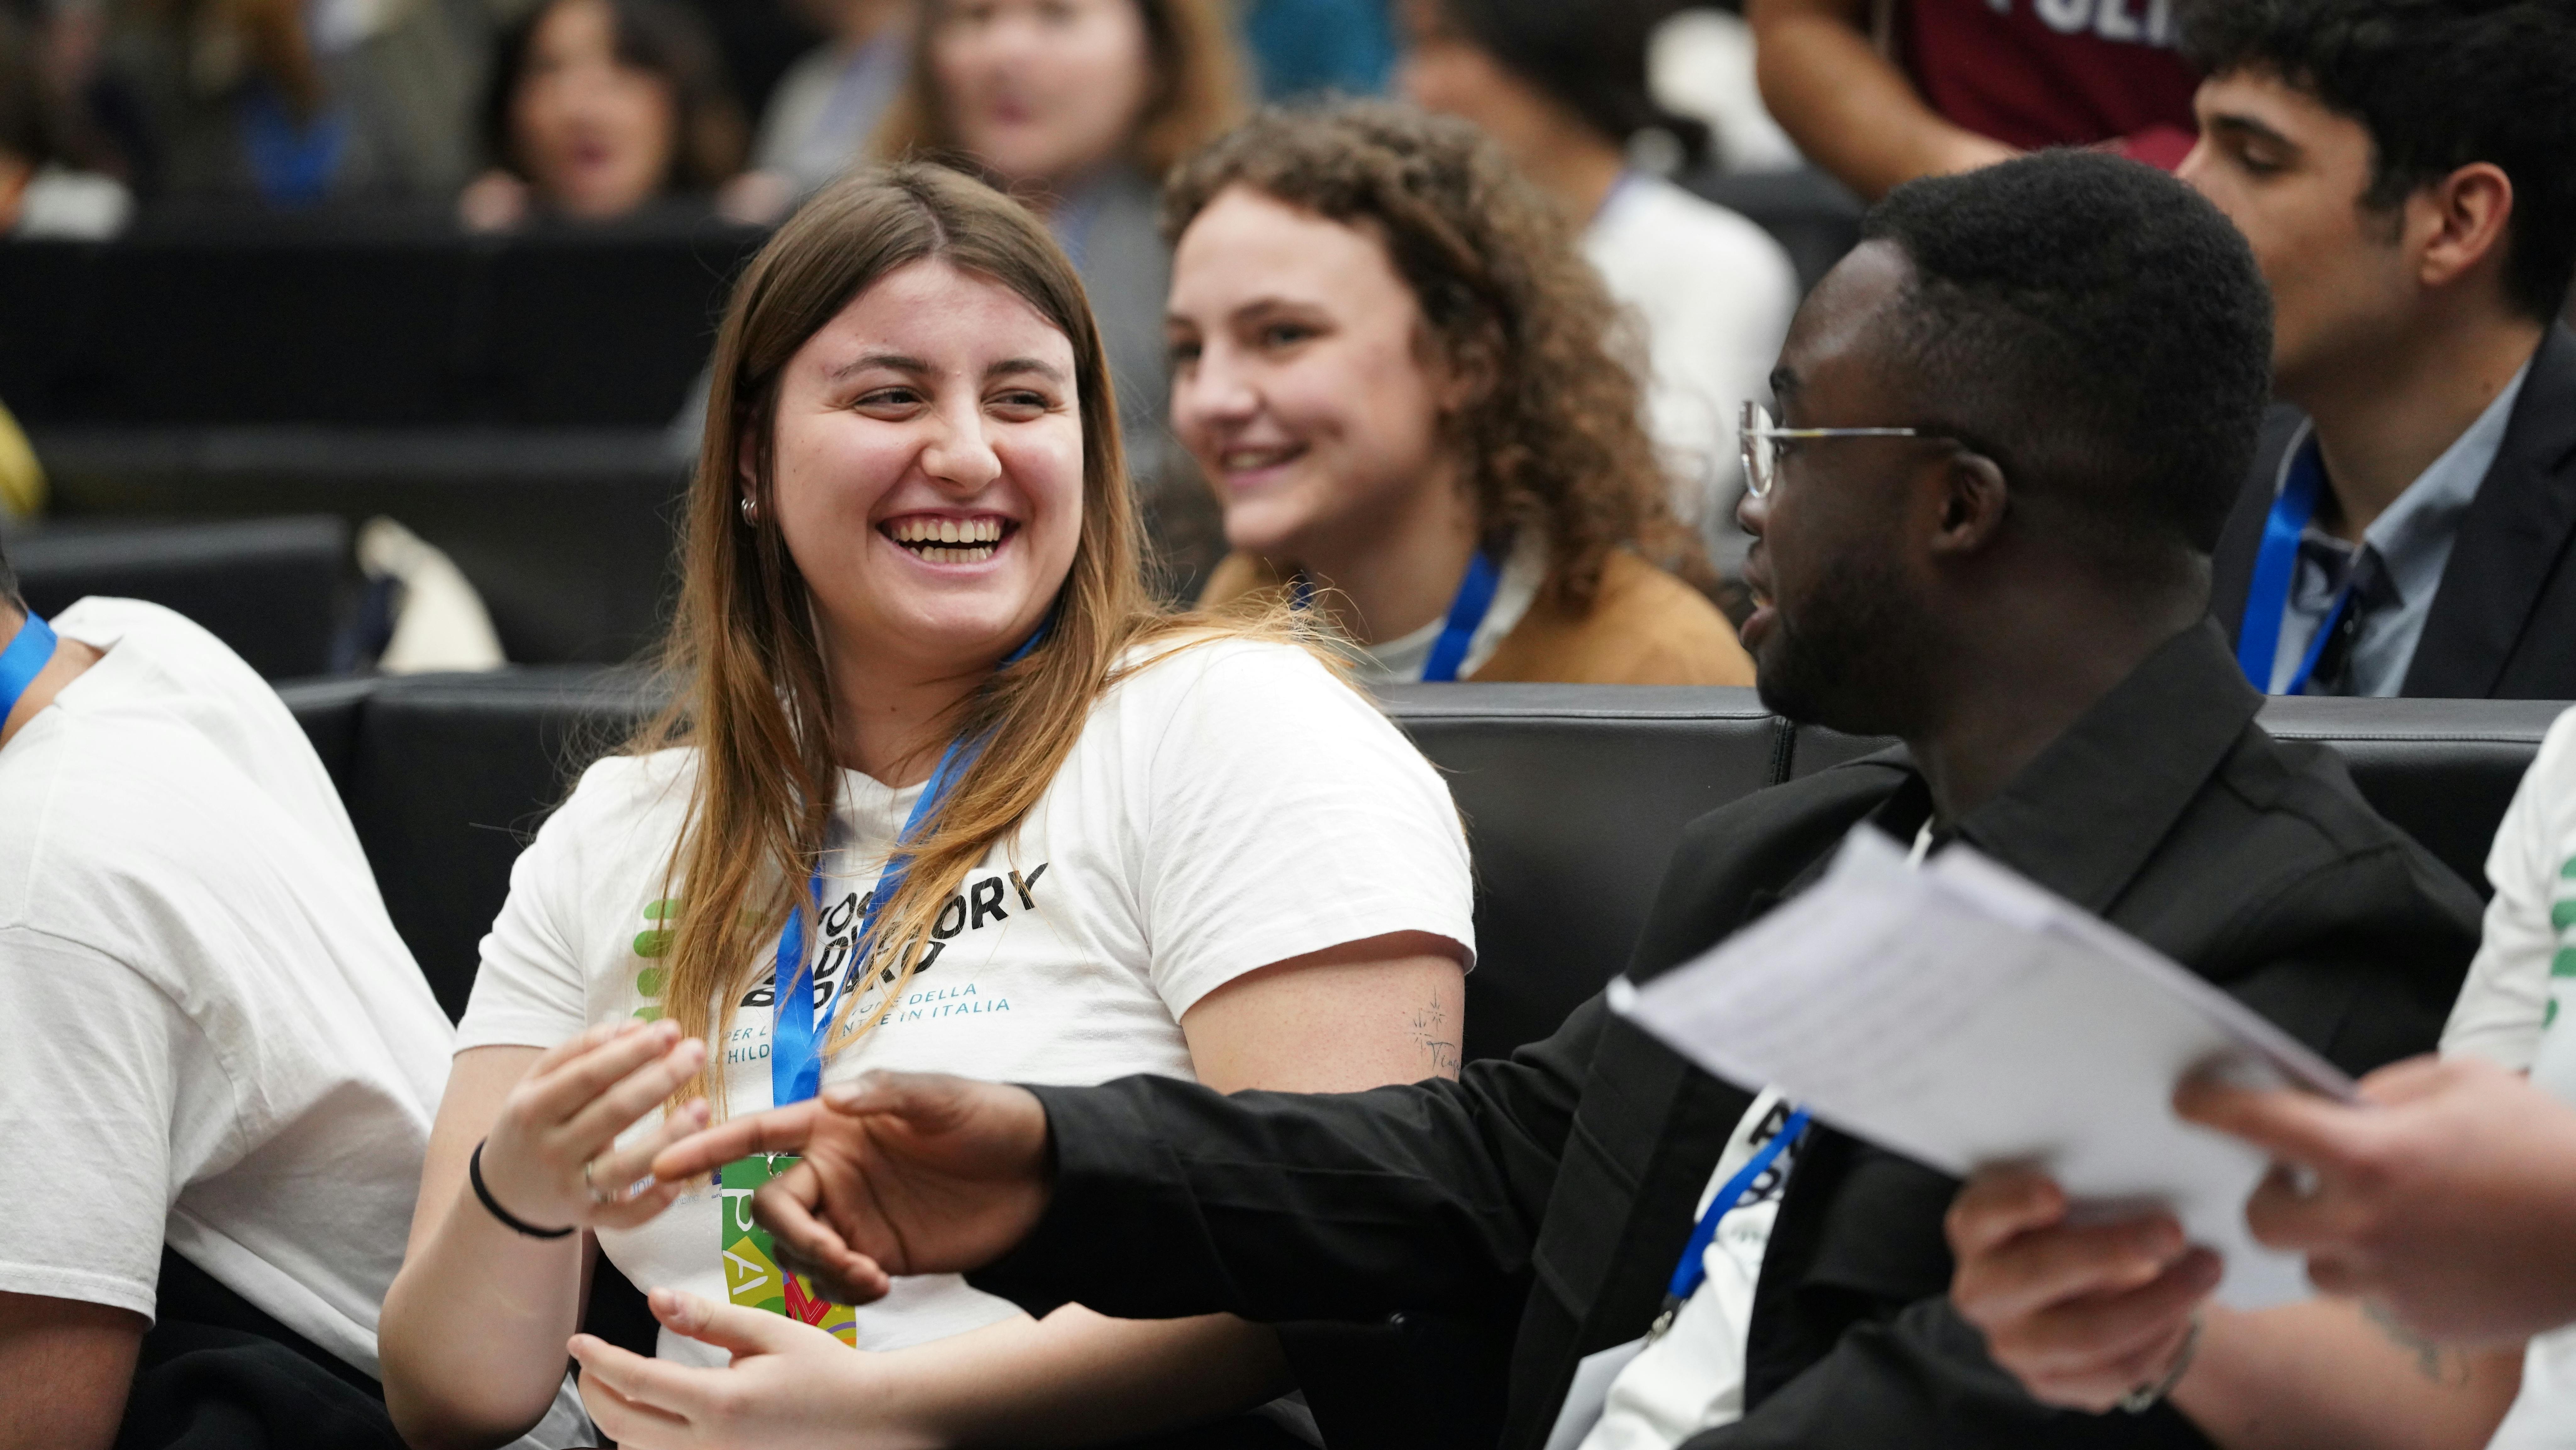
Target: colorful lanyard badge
2276,563
753,1277
1467,610
25,658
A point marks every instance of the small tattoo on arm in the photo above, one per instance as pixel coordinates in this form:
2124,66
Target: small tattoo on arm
1434,1036
2442,1367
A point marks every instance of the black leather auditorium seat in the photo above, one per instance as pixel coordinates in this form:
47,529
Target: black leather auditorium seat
270,588
1572,797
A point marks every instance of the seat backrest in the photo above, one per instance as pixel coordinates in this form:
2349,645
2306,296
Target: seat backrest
449,778
1573,797
269,588
2442,770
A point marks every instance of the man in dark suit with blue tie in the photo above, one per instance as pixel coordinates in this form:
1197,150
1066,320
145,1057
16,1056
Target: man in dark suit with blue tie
2401,168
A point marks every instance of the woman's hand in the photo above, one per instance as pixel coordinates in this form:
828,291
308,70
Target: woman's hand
496,201
551,1158
790,1384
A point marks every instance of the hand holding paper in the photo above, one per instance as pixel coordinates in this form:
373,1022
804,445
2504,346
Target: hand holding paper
1961,1016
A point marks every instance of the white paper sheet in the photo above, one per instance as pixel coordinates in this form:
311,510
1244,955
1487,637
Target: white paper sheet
1964,1017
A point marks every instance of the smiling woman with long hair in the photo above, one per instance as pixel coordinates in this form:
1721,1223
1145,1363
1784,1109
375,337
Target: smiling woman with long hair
940,788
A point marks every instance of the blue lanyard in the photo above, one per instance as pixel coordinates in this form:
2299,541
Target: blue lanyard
1692,1271
24,659
1467,610
795,1052
2276,562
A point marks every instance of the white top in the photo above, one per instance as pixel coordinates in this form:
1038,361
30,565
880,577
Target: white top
1713,293
1400,661
2508,1012
1229,806
1692,1379
215,1035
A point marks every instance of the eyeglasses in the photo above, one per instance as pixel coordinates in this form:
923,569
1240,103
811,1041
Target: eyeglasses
1762,440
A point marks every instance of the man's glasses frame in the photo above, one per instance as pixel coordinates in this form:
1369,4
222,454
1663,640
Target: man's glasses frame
1761,439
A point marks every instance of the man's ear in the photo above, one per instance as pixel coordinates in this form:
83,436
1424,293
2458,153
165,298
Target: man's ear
2462,221
1973,503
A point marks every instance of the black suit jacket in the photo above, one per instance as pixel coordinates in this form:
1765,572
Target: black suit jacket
1551,1192
2503,625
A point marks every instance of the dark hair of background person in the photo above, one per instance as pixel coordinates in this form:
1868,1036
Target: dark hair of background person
9,594
2096,328
2439,84
1589,55
1199,89
1555,434
672,41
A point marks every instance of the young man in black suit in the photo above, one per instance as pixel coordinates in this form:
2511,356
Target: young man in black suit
2072,352
2401,168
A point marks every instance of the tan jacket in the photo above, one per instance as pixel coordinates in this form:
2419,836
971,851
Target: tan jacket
1645,627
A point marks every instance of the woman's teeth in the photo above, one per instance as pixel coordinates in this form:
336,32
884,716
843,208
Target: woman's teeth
948,541
1244,460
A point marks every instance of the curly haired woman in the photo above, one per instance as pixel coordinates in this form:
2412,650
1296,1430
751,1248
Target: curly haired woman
1398,372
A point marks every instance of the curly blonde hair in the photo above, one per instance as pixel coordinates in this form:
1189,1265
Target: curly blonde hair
1555,436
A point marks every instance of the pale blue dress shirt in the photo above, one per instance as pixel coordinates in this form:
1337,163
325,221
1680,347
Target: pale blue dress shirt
2398,567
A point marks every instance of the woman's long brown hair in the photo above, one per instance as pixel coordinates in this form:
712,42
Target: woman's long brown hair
751,693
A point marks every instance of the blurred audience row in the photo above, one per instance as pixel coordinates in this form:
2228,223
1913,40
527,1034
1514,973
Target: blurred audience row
586,110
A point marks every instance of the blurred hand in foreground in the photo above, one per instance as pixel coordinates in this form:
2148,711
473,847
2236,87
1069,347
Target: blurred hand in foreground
2447,1196
2081,1314
902,1173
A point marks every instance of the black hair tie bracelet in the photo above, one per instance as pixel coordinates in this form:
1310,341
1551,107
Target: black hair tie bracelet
474,1170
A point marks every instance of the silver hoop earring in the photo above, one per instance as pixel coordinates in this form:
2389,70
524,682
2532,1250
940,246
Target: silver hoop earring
750,512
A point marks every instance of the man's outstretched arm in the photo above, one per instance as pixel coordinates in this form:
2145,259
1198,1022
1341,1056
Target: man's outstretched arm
1154,1198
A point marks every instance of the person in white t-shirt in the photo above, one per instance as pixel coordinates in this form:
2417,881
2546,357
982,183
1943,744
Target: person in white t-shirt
222,1062
941,787
1564,89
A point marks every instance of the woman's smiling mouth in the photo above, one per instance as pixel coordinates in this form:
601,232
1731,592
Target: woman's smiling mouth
949,539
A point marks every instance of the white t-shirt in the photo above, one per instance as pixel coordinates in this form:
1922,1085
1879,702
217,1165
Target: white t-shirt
1692,1378
2508,1012
1713,293
1229,806
215,1036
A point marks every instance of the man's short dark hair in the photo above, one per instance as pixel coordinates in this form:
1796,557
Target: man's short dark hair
2439,84
2098,329
9,594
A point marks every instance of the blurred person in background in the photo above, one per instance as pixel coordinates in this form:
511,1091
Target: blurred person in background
291,103
1879,92
817,121
598,110
1564,89
1395,367
44,191
1078,107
